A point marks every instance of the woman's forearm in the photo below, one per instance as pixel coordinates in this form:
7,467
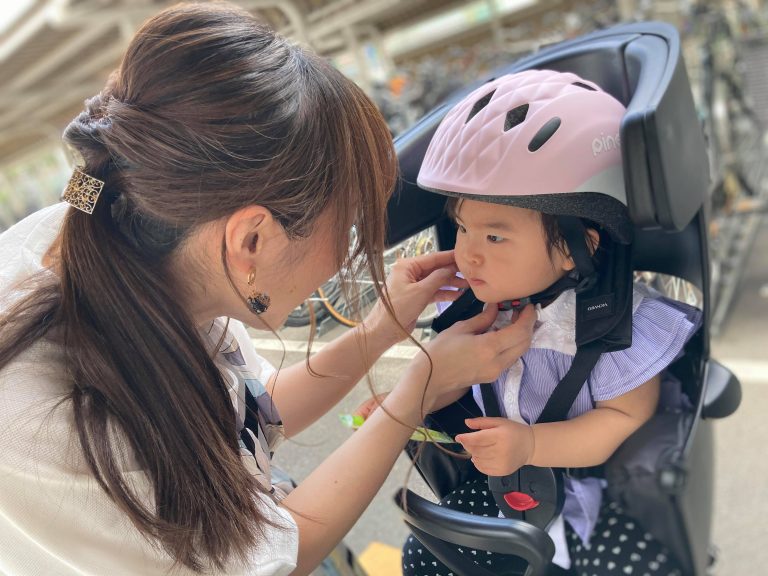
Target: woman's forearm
352,475
301,397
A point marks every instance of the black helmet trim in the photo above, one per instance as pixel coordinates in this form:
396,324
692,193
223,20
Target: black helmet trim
600,208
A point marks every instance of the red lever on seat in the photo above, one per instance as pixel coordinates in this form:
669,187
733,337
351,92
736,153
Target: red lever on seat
520,501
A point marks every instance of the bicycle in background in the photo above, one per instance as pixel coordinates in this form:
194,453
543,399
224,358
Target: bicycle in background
347,302
736,136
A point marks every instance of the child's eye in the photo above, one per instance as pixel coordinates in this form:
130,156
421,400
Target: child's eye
493,239
461,229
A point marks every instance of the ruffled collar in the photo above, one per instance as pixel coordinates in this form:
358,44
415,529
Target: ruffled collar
562,311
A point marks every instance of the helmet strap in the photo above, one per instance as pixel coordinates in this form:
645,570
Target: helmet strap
575,234
544,297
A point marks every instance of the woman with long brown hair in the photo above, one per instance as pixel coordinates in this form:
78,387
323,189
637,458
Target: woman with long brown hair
221,170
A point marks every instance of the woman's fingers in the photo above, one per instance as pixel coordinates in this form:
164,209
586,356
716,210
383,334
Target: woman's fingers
435,259
467,354
441,285
438,278
480,323
447,295
520,330
456,282
502,348
425,264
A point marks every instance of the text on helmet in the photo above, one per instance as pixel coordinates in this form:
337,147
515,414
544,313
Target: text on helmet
605,143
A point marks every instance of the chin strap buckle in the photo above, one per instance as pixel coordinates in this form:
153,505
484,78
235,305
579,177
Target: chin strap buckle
517,304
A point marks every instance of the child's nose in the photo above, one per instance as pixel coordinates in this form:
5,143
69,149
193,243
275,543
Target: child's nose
469,253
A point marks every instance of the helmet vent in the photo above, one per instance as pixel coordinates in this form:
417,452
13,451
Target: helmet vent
515,117
479,105
585,86
544,134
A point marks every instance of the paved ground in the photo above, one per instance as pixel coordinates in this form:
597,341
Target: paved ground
741,466
741,508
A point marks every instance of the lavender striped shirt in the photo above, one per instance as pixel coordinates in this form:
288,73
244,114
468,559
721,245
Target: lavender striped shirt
660,329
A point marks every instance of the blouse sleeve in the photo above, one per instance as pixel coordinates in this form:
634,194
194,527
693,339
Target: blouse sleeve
56,519
660,329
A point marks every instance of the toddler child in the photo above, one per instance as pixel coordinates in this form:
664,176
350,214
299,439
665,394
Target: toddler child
532,163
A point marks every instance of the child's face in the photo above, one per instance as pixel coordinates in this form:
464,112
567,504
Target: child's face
502,251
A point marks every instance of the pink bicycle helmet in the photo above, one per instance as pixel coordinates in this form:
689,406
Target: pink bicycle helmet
537,139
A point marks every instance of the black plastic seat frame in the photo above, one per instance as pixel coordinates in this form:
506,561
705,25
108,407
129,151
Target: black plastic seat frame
667,179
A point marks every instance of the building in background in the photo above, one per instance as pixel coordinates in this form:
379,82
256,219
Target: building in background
407,54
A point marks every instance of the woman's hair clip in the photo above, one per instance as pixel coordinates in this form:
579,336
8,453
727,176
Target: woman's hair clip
82,191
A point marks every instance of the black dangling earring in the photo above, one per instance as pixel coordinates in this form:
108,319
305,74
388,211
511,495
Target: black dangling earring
258,302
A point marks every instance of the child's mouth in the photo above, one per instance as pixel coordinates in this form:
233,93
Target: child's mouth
475,281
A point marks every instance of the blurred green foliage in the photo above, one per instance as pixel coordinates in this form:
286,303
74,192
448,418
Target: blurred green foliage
32,183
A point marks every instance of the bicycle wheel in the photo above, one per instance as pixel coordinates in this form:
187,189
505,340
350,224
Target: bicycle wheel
336,304
340,310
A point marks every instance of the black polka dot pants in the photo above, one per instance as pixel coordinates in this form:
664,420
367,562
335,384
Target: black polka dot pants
618,547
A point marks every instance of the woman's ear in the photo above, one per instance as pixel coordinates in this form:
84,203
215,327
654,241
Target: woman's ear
244,235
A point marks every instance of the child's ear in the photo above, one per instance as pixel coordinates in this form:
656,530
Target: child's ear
593,241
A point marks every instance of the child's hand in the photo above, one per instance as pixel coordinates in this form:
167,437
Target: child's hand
499,447
369,406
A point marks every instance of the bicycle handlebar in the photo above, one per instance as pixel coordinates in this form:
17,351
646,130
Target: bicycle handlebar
440,529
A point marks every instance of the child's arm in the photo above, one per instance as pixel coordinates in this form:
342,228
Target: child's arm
501,446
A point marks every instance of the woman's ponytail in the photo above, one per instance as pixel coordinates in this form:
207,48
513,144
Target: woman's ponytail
137,361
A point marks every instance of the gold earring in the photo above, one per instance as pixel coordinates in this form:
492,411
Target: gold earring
258,302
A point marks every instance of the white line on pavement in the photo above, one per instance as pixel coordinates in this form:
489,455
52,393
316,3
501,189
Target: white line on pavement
747,371
399,352
751,371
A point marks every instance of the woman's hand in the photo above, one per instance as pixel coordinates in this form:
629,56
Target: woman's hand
412,284
466,354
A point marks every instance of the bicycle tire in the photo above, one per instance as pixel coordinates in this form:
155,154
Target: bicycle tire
330,307
330,304
333,300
